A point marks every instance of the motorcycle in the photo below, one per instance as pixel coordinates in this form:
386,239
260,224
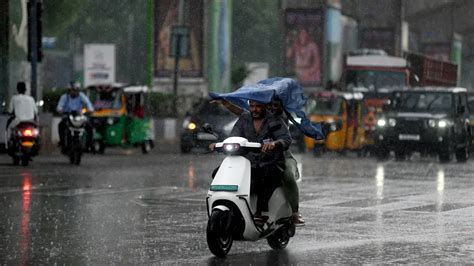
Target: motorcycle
230,205
76,123
23,143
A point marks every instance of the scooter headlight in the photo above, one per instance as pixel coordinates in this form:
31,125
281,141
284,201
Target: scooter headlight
231,147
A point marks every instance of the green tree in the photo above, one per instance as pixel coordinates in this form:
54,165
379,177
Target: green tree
257,33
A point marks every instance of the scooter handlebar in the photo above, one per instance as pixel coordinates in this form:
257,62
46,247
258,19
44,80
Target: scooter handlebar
255,145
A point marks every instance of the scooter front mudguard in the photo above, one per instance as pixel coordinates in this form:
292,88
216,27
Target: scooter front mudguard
232,184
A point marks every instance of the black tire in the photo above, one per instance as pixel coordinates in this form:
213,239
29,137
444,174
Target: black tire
462,154
72,157
301,146
400,155
185,149
279,239
98,147
218,244
445,157
77,157
25,161
16,160
317,151
382,154
147,146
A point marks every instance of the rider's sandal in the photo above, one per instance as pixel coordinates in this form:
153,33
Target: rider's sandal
298,220
260,220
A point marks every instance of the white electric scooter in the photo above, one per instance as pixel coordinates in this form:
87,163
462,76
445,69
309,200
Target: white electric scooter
230,205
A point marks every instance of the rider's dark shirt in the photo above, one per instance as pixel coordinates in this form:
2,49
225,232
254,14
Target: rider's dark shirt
273,129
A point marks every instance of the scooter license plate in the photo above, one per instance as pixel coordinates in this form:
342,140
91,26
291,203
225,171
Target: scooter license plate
205,136
27,144
408,137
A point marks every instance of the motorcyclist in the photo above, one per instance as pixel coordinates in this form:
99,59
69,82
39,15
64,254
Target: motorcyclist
73,101
268,166
22,108
291,170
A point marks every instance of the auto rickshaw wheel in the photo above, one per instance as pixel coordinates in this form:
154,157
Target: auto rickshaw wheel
147,146
98,147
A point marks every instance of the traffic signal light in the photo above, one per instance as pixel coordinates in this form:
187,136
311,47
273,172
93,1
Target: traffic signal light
35,28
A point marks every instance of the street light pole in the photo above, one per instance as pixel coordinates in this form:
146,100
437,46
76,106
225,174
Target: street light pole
176,73
33,44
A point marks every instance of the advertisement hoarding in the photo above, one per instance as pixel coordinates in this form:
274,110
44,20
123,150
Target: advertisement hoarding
166,16
99,64
304,40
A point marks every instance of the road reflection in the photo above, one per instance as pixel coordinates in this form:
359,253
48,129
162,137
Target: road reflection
271,257
379,180
25,217
191,175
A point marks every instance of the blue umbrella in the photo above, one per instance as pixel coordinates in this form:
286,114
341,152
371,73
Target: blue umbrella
287,90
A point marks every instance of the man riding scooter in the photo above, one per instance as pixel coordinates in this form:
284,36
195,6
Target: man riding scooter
291,171
73,101
267,166
22,128
22,108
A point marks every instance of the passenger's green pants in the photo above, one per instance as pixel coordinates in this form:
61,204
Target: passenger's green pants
289,181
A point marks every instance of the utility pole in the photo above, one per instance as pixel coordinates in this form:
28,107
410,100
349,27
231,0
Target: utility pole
178,35
4,43
34,41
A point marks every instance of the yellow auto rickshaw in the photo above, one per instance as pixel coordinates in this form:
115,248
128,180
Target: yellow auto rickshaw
343,112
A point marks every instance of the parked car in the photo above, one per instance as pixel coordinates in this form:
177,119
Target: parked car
426,120
192,134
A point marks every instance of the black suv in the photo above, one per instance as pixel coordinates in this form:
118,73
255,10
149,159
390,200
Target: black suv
427,120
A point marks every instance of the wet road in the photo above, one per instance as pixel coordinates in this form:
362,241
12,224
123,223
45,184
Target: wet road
125,207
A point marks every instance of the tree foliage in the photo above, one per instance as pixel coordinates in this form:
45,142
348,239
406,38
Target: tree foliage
59,15
257,33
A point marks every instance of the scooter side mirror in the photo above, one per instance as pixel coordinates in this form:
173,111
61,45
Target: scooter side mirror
207,128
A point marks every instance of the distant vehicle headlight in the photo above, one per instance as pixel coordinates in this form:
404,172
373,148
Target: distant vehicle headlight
432,123
381,122
392,122
192,126
443,123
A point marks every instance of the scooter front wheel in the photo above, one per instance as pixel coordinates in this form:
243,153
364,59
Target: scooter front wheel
279,239
218,240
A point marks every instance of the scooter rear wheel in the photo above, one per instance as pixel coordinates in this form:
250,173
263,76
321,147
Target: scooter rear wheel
218,241
279,239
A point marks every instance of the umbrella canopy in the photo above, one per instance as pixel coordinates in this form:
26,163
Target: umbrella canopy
287,90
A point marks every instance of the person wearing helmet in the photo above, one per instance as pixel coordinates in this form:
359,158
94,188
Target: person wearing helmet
73,101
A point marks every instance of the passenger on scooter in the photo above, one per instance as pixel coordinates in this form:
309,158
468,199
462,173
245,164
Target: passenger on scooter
268,166
73,101
22,108
291,170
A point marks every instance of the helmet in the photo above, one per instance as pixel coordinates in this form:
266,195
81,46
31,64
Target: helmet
74,85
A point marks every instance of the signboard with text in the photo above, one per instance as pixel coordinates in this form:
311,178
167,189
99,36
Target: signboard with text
99,64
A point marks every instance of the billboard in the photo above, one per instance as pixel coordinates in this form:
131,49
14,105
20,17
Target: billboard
99,64
303,44
166,16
